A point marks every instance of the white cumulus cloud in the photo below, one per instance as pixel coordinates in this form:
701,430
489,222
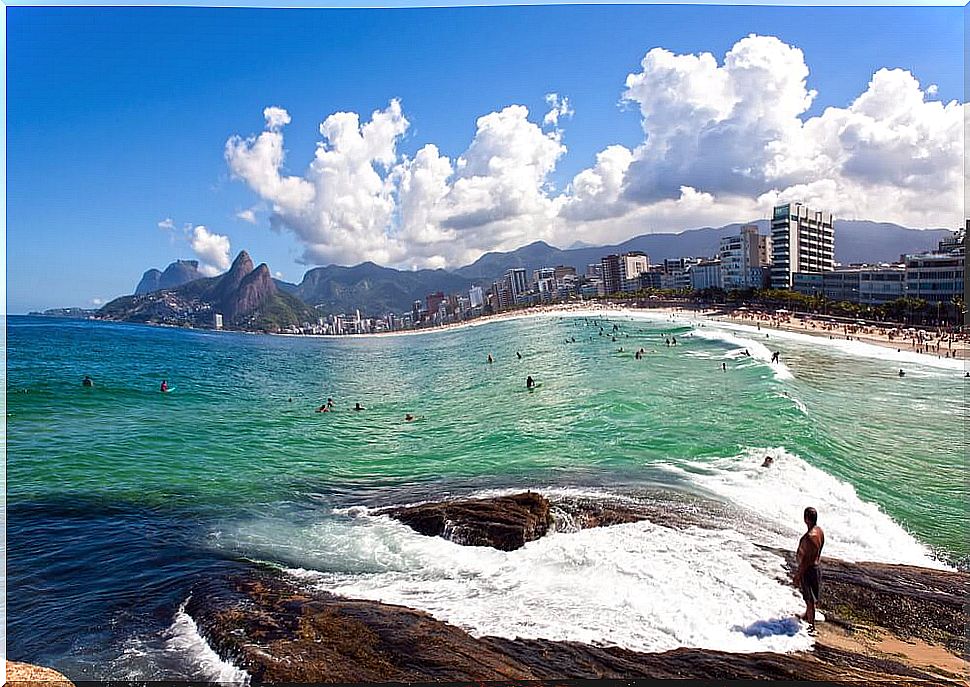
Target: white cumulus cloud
247,215
212,249
724,138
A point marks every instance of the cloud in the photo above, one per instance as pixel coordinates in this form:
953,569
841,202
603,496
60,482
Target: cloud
248,215
97,301
212,249
167,224
360,199
723,140
560,108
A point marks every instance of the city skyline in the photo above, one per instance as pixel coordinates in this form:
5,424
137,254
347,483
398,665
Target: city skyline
433,180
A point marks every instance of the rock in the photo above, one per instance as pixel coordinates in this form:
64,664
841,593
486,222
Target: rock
279,632
908,601
27,675
503,522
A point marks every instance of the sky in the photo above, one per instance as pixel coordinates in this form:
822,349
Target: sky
425,137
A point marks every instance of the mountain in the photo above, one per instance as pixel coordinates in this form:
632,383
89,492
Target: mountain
246,296
855,241
178,273
373,289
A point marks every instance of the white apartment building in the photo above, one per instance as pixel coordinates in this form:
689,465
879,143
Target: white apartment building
802,240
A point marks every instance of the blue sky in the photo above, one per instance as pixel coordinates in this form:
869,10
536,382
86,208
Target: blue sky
118,118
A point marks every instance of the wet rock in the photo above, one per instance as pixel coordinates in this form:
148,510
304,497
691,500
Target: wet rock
503,522
278,632
909,601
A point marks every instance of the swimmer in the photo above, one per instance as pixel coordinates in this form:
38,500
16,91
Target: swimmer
902,374
358,406
530,383
408,417
323,409
490,361
87,381
518,355
723,367
330,403
746,353
768,461
164,386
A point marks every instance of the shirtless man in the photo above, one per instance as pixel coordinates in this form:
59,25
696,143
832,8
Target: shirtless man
808,574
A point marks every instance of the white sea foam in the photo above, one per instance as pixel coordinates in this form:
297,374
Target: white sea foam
856,530
640,586
757,349
198,658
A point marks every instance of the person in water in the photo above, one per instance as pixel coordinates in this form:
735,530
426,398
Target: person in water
774,357
530,383
902,374
408,417
768,461
808,573
87,381
724,367
358,406
746,353
323,409
164,387
490,361
329,404
518,355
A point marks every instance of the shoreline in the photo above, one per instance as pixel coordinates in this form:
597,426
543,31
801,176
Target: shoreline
806,326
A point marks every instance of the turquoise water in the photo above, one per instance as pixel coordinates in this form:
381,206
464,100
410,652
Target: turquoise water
235,461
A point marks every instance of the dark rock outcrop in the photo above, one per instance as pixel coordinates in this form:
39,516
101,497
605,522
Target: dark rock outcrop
279,632
504,522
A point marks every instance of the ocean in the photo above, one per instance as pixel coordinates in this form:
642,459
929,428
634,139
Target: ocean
121,499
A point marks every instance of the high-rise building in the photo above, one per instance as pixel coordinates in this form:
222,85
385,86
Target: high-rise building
741,255
476,297
802,240
632,265
612,274
517,282
433,301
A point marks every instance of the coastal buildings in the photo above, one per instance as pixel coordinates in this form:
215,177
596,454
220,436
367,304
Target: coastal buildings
706,274
865,284
938,277
476,297
802,240
745,259
622,272
517,282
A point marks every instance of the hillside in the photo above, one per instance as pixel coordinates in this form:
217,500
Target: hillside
246,296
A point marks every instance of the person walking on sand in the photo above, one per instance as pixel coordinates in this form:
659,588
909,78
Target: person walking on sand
808,573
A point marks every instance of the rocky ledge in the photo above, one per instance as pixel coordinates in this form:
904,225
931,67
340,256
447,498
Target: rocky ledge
884,622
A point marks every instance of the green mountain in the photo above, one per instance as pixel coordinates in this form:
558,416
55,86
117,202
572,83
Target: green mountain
245,296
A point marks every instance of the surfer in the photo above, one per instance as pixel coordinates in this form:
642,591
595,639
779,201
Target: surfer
164,387
87,381
808,574
530,383
358,406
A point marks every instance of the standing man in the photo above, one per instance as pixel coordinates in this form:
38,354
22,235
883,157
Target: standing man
808,574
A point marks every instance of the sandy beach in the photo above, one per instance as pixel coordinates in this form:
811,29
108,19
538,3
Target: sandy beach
925,345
